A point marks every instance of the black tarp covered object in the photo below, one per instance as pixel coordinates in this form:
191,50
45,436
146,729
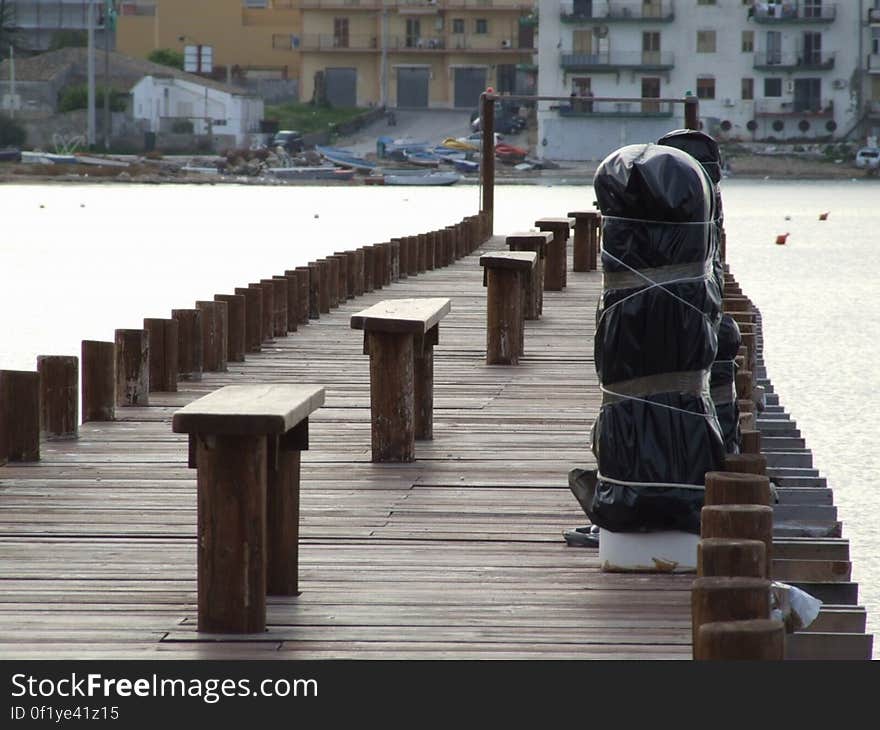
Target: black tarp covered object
656,339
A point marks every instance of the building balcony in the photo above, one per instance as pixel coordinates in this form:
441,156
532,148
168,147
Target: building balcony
508,5
352,5
873,64
356,43
797,107
610,62
609,11
793,61
793,12
137,8
874,16
585,107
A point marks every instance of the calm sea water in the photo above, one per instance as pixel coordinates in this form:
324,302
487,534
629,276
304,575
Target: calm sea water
77,262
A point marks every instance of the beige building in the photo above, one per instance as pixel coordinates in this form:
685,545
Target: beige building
407,53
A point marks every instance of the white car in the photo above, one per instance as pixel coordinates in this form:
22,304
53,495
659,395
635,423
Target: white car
868,158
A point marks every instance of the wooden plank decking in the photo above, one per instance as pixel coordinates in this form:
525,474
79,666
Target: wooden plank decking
458,555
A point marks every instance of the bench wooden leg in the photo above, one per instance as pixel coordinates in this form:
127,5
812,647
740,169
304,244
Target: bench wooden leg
504,315
231,533
282,511
581,245
423,374
554,265
392,396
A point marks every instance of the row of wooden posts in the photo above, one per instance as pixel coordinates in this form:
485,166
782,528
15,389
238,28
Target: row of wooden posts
730,599
44,403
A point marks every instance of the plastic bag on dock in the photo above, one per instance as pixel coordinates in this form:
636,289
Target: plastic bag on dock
657,432
796,608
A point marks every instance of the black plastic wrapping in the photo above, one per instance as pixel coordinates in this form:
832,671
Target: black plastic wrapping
658,207
723,383
699,145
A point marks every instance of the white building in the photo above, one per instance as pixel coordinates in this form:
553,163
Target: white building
172,104
777,70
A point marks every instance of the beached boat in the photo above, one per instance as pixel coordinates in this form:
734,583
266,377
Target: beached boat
47,158
345,158
466,165
323,172
426,178
423,159
10,154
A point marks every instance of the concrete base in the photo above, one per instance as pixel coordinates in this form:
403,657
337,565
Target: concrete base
648,552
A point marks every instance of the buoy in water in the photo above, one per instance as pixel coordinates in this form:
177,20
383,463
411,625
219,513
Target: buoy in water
823,216
780,239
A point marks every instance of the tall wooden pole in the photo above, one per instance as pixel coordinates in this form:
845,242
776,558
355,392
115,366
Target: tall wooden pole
691,112
487,160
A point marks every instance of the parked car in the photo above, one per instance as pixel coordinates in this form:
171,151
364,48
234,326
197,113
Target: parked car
290,140
868,158
507,120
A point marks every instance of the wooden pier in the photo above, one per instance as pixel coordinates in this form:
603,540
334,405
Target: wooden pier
458,554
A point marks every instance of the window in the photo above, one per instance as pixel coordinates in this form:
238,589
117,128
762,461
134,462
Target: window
705,41
256,3
748,41
748,89
282,41
458,25
482,26
706,88
340,32
773,87
705,2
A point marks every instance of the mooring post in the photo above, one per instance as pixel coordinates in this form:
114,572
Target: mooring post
267,292
132,367
20,415
691,112
280,296
740,521
99,380
236,340
164,337
487,156
292,312
253,313
728,599
731,557
755,640
215,337
190,354
59,396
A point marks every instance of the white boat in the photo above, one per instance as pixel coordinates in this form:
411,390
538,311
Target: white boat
426,178
868,158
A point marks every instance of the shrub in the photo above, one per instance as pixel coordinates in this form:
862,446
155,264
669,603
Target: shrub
12,134
77,97
68,39
167,57
182,126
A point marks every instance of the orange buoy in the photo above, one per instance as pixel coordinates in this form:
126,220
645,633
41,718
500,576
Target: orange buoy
823,216
780,239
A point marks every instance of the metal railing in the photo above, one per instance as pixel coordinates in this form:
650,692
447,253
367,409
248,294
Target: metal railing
800,12
584,106
634,59
774,108
330,42
614,10
815,60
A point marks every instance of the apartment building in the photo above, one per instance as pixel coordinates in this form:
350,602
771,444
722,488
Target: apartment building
775,70
38,21
230,39
870,48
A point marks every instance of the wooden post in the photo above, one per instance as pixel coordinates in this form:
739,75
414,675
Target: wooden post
303,284
231,574
537,242
403,257
253,312
344,292
292,288
504,316
367,252
59,396
431,250
392,395
744,382
359,268
740,521
267,291
584,256
750,440
20,415
132,368
720,556
164,339
332,281
190,352
378,266
728,599
394,248
215,338
555,264
324,287
314,290
736,488
386,263
691,112
487,156
755,640
423,377
412,258
236,309
746,463
98,380
280,296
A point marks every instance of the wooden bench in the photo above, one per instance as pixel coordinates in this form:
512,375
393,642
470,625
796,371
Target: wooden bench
586,239
245,442
536,241
507,275
557,255
399,336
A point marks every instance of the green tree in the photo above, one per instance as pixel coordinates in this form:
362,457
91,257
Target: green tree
77,97
167,57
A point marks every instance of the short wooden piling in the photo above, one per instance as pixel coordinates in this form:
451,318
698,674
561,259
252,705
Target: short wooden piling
332,265
731,557
164,339
423,252
132,367
740,521
99,380
755,640
368,268
215,337
190,352
267,291
430,250
746,463
20,415
59,396
750,440
236,309
736,488
584,257
253,312
303,288
292,313
358,254
728,599
346,286
386,263
394,250
323,286
378,266
280,298
555,265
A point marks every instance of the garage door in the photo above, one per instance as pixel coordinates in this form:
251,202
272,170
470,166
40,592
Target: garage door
341,84
469,84
412,88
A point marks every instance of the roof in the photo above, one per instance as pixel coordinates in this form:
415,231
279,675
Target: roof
125,71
